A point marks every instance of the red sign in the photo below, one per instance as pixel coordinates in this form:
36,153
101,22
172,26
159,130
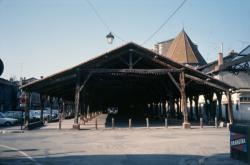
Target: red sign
23,100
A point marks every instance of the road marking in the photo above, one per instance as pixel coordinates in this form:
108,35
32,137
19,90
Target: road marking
21,152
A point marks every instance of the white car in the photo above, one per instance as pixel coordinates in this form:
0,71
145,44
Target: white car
7,121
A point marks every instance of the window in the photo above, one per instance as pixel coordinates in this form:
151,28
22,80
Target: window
245,99
1,115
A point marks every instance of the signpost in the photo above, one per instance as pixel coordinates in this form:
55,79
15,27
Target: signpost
23,99
239,142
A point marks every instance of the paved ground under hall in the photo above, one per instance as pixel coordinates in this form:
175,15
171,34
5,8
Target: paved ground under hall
124,146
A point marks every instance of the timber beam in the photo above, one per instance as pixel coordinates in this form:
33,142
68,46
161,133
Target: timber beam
205,82
135,71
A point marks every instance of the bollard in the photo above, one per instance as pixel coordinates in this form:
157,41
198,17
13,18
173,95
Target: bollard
166,123
60,121
201,122
147,121
113,123
96,124
130,123
216,122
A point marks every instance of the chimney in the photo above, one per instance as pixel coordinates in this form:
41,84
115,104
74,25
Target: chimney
220,55
220,59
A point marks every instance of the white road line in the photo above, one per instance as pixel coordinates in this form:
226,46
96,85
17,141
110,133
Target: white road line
21,152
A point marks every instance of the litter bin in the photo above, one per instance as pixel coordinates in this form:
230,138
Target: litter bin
240,142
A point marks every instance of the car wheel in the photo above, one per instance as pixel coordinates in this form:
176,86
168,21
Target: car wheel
7,123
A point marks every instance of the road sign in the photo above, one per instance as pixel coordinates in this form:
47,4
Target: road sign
23,99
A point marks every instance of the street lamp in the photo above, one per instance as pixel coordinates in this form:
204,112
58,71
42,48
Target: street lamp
1,66
110,37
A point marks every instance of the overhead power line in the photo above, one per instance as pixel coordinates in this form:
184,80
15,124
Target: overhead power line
165,22
102,20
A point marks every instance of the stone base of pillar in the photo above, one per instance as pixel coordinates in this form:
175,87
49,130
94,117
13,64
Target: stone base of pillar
76,126
186,125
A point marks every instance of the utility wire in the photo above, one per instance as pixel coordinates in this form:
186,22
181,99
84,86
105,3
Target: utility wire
102,20
165,22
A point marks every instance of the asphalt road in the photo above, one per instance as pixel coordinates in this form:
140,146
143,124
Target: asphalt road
116,147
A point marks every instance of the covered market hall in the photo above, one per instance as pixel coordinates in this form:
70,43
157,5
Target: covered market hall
136,80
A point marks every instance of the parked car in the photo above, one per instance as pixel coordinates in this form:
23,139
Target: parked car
36,114
14,114
7,121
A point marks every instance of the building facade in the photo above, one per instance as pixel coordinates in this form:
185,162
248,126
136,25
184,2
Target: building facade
234,69
8,95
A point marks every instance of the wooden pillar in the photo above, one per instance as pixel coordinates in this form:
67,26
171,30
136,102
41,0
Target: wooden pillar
63,109
211,109
171,107
219,98
191,107
51,106
230,107
178,108
77,102
206,107
196,107
185,124
59,100
26,110
164,109
42,100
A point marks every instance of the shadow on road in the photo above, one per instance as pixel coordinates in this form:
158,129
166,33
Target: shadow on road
130,159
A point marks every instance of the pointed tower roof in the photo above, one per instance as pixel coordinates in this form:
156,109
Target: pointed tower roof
183,50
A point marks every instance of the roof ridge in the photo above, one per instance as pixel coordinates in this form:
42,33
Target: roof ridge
190,43
185,45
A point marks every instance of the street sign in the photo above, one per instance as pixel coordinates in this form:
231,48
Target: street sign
23,99
238,141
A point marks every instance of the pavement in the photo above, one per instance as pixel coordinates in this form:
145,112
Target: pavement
121,146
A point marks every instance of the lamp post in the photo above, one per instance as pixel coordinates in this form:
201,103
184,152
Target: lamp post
110,37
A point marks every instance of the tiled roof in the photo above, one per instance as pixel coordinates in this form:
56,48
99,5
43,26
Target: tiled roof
183,50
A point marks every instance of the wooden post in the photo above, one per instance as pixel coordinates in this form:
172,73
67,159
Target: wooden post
211,108
172,107
178,108
26,110
191,107
60,121
185,124
63,109
77,99
206,107
230,108
130,123
113,123
201,122
147,122
196,107
51,103
60,113
166,122
219,98
164,108
42,107
216,122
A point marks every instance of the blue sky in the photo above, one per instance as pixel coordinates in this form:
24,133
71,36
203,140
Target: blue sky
41,37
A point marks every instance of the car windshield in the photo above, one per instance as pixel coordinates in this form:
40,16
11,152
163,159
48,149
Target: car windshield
2,115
